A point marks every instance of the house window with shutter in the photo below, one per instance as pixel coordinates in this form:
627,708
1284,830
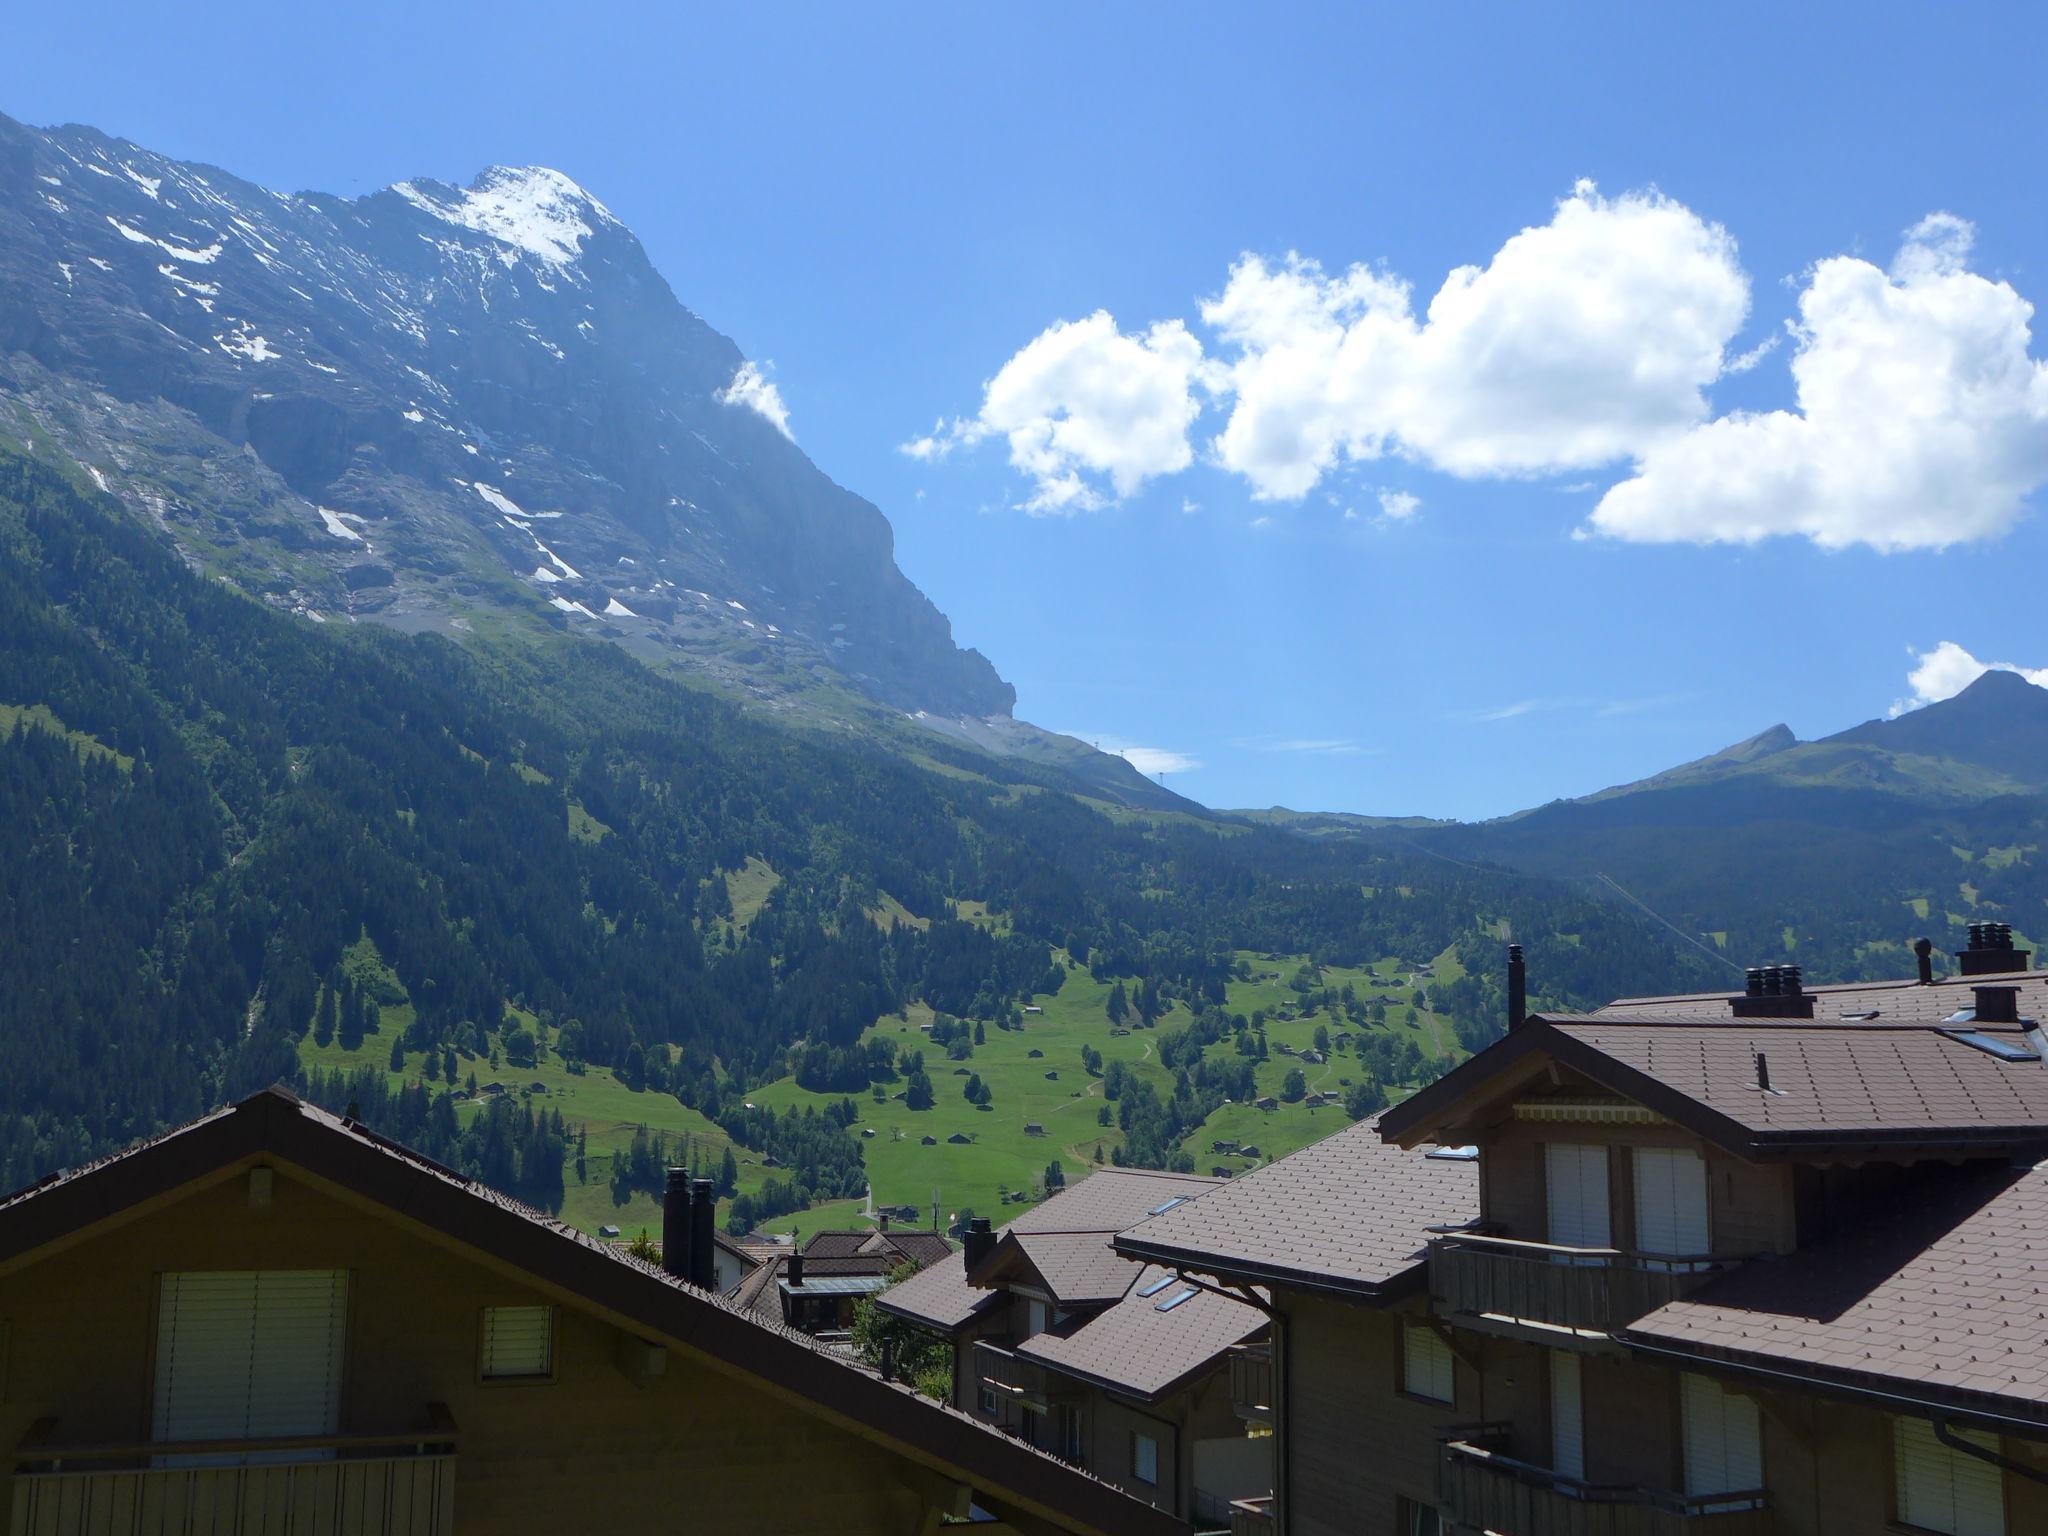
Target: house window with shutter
1723,1443
1943,1489
1426,1366
1671,1204
1145,1459
517,1344
249,1354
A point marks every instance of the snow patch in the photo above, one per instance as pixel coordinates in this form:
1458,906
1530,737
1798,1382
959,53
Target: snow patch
102,265
338,527
735,603
618,610
99,477
531,208
247,344
542,573
149,184
51,181
566,606
65,268
415,416
175,251
498,499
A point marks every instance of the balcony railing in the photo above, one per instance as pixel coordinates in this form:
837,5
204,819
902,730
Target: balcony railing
1486,1490
1586,1290
397,1484
1251,1382
1251,1517
1009,1375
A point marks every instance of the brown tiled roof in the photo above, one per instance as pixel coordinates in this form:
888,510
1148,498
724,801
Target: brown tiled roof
939,1296
919,1248
1349,1213
1134,1348
757,1291
1896,1002
1079,1269
908,1244
274,1126
1940,1296
1830,1082
1109,1200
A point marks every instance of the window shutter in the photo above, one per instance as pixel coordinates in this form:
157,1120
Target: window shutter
1427,1368
1567,1416
1145,1459
518,1342
1576,1181
1723,1441
1671,1201
1945,1490
246,1354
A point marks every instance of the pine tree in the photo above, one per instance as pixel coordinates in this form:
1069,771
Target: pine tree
398,1054
728,1175
1119,1005
324,1020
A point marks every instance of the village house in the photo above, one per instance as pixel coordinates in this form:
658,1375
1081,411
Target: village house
1769,1264
1110,1365
274,1320
815,1288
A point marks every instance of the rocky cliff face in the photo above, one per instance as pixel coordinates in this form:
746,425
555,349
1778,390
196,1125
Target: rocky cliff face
436,403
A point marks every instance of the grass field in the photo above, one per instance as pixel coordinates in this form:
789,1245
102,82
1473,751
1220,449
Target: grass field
1035,1073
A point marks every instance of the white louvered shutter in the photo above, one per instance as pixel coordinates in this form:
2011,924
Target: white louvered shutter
1567,1416
1576,1184
1723,1440
1426,1365
518,1341
1671,1201
1945,1490
249,1354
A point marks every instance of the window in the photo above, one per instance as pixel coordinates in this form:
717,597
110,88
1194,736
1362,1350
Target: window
1426,1366
517,1344
1413,1519
1145,1459
1723,1449
1034,1319
248,1353
1943,1489
988,1401
1567,1417
1066,1428
1671,1202
1575,1181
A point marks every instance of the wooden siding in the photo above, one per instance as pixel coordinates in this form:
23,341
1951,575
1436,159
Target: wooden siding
535,1457
370,1496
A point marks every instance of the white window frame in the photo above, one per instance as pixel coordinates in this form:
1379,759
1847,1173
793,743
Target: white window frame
487,1319
1428,1368
1941,1489
248,1355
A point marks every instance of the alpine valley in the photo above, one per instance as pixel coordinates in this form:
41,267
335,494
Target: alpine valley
431,675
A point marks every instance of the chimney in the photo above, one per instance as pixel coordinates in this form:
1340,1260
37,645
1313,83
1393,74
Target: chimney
1990,952
979,1243
703,1227
884,1222
793,1270
1772,992
675,1224
1923,950
1997,1005
1763,1073
1518,988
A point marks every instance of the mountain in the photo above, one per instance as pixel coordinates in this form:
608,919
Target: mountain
435,405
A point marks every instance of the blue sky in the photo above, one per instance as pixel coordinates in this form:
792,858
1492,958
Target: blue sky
1568,565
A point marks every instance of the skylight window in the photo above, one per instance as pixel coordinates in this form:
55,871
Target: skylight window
1157,1286
2004,1047
1865,1015
1175,1300
1161,1210
1962,1016
1454,1154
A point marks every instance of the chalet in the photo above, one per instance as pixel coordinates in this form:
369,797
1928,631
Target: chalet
1266,1102
1755,1265
929,1141
272,1319
1033,1128
1033,1008
1107,1364
959,1139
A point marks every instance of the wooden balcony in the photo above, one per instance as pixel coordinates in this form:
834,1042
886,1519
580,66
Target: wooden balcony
1589,1291
1252,1517
1010,1376
1251,1382
398,1484
1482,1489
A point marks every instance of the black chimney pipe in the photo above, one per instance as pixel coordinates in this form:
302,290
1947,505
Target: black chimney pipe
675,1223
1997,1005
1923,950
793,1271
1518,988
703,1227
979,1242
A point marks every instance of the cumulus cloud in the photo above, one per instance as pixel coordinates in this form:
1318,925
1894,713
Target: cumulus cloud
1152,761
1399,506
1581,342
1948,669
1084,403
754,390
1921,420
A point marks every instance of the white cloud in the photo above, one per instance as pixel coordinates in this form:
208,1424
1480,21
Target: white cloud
1399,506
1147,760
1322,746
1921,420
753,389
1948,669
1582,341
1082,403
